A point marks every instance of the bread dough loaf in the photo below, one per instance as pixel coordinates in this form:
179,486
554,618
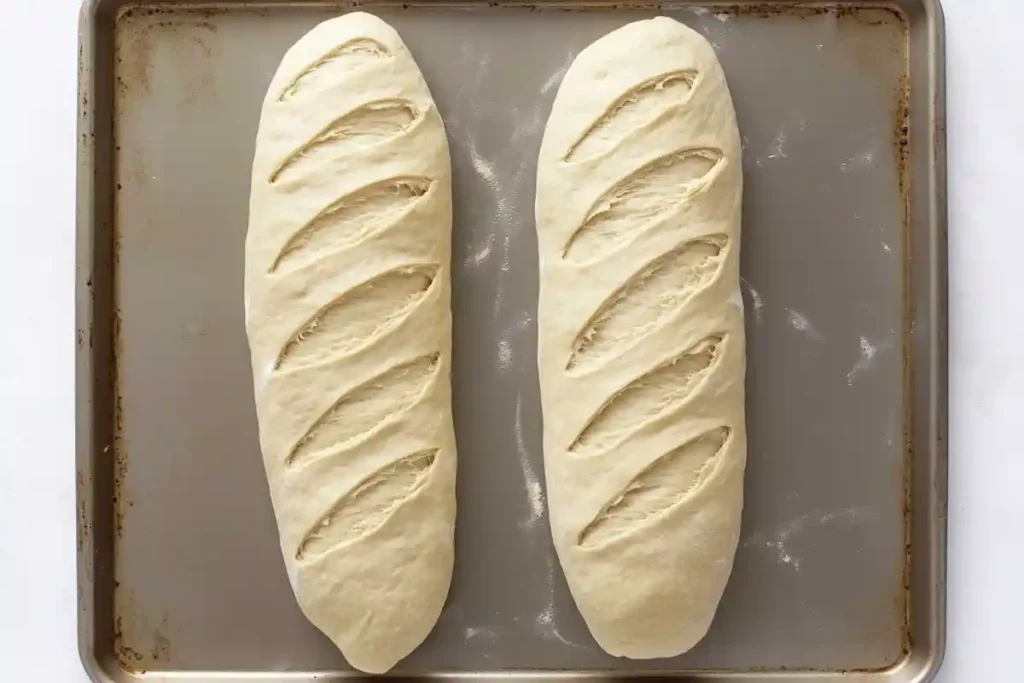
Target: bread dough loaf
347,289
641,346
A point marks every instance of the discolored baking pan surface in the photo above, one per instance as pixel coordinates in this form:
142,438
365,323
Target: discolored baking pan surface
841,563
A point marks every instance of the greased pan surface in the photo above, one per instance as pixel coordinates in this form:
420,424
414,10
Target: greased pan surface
841,561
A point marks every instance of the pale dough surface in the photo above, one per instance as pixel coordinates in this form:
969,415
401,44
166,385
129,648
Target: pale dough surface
641,342
347,289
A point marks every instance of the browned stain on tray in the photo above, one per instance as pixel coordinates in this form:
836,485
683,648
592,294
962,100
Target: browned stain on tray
128,658
141,28
116,451
763,10
901,149
139,643
140,32
125,624
84,523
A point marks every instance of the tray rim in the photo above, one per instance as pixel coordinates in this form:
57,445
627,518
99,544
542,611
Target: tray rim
926,519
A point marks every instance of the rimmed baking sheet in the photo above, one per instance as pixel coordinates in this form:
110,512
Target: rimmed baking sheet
841,564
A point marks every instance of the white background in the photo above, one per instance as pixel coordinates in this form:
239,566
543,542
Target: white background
38,52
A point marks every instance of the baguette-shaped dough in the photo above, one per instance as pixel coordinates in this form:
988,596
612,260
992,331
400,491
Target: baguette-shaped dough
641,346
347,291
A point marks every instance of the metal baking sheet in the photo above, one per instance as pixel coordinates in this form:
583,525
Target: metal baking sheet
840,571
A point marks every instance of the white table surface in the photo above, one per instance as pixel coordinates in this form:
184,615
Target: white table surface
38,47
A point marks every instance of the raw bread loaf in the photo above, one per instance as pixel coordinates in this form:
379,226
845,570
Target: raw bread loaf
347,292
641,346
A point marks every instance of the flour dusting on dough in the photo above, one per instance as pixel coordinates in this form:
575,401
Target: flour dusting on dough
263,378
736,299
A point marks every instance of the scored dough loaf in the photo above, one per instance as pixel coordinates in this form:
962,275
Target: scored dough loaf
641,342
347,289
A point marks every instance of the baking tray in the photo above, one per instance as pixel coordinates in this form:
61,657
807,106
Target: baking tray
840,571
